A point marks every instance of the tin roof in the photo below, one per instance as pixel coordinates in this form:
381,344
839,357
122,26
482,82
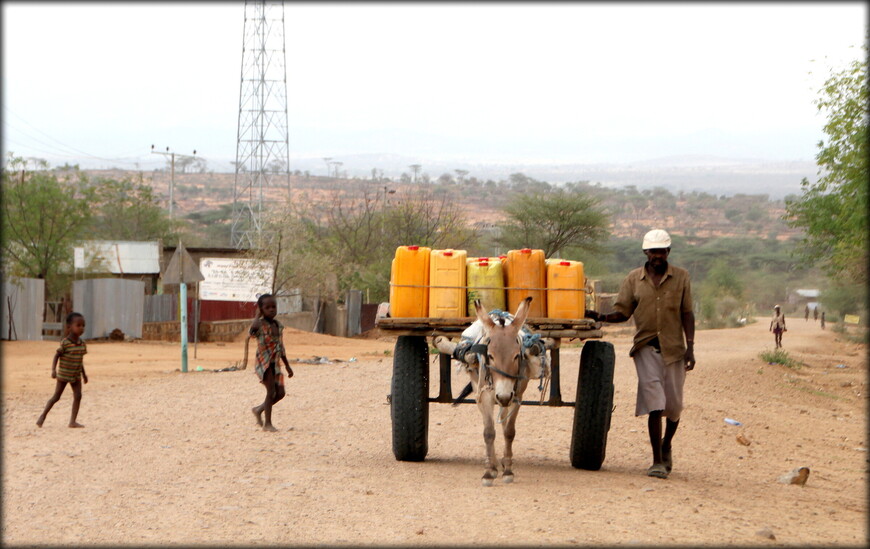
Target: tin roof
807,293
119,256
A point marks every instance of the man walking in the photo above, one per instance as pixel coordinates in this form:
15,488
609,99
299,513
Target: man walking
659,297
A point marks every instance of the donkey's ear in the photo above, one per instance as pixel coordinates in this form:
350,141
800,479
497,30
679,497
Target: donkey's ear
522,312
482,315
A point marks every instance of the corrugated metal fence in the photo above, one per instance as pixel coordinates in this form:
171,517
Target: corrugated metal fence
164,308
23,303
160,308
109,304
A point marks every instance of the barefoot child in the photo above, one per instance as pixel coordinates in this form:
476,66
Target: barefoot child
270,347
72,369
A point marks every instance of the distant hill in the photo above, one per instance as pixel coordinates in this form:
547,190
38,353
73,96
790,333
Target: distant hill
714,175
649,198
719,175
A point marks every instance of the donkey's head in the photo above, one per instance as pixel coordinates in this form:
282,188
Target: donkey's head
504,350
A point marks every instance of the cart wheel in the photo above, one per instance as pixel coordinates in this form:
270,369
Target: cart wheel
409,401
593,405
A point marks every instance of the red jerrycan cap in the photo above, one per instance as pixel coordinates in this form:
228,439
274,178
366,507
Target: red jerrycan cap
448,253
414,248
526,251
565,263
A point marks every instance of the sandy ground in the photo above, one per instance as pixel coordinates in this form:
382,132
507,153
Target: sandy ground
172,458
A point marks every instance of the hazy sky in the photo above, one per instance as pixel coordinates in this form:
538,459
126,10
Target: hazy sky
562,82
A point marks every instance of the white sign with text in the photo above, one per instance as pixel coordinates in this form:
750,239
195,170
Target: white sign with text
234,279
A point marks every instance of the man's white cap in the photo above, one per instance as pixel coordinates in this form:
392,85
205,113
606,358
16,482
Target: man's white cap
656,238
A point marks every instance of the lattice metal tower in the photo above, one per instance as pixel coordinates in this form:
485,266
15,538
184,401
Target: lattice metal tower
262,147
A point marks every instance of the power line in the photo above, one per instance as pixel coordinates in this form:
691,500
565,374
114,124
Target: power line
70,147
69,151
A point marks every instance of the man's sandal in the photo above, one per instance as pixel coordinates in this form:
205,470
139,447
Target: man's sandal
657,470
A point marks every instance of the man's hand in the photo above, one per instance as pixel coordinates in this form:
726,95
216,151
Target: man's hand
53,374
84,377
592,314
689,358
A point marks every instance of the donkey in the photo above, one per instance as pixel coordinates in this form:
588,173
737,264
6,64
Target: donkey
500,368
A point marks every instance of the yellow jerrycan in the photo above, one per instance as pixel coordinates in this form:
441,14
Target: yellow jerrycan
447,275
409,282
566,289
486,283
526,275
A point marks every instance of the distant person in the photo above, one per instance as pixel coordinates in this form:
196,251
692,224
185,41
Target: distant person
777,326
72,369
270,348
807,313
823,320
815,313
659,297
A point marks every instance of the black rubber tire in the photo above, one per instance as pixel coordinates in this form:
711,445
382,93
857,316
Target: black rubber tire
593,405
409,400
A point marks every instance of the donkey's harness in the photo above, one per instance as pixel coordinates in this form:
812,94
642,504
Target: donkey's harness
481,349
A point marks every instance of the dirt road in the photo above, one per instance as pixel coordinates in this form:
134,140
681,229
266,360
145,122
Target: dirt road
176,458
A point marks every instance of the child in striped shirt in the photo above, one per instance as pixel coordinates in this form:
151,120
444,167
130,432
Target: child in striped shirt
72,369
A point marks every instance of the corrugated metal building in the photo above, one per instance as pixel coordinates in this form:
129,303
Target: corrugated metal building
126,259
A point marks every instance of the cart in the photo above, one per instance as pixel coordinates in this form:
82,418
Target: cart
409,393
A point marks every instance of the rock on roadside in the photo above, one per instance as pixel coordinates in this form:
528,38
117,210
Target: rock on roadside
798,476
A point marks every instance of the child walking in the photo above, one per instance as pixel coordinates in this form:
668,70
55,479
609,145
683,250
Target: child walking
777,326
270,347
72,369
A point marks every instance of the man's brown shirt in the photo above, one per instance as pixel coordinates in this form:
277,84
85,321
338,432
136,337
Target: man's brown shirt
657,311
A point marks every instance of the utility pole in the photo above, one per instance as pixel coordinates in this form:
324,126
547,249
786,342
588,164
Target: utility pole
172,155
387,190
416,168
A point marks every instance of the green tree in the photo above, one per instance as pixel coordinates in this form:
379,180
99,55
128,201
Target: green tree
128,210
833,211
722,280
553,222
721,296
846,299
209,227
43,218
